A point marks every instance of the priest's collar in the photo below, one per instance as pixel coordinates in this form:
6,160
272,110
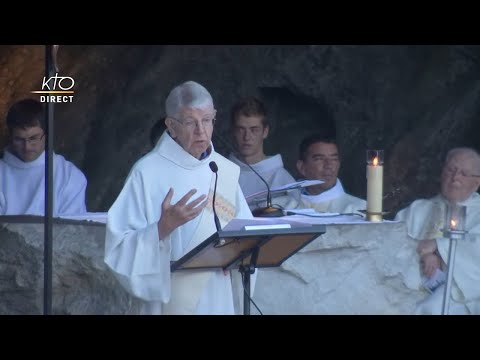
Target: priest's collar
206,153
270,163
14,161
328,195
473,196
168,148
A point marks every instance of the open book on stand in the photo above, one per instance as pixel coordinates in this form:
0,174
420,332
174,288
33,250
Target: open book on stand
282,190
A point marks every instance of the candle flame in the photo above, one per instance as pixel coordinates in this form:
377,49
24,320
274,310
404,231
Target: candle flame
375,161
453,224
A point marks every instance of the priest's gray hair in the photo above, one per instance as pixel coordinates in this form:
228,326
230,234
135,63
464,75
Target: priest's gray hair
189,94
468,151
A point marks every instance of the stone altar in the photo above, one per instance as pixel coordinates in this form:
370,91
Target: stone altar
364,268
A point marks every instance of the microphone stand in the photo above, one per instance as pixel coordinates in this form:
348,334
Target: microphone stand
213,166
267,211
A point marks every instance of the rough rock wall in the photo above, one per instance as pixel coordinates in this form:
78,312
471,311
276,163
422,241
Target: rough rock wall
413,101
82,284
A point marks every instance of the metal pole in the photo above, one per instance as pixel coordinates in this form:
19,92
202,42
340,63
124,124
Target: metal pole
246,294
48,229
448,286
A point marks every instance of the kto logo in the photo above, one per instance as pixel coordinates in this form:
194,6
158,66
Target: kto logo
56,85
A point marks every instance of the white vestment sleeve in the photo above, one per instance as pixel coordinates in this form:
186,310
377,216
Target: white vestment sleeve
72,198
281,177
140,261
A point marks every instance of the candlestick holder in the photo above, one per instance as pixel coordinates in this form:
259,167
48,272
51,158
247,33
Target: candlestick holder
454,230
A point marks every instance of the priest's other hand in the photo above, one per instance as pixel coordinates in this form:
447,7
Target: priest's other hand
426,247
430,263
176,215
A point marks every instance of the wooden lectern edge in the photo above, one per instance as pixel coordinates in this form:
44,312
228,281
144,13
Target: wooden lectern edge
315,229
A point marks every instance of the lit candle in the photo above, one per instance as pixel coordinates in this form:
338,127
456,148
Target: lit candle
374,185
455,217
453,224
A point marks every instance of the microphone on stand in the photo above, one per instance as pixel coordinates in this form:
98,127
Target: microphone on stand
214,168
267,211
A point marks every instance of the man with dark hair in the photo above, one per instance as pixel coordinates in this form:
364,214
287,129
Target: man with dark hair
22,169
319,160
250,127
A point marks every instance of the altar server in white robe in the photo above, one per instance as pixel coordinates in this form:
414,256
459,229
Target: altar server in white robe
165,210
460,180
319,159
250,127
22,168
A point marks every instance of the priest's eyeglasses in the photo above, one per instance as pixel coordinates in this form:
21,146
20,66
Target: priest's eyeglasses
32,140
453,170
192,124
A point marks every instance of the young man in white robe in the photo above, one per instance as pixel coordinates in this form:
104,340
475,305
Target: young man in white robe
460,180
249,127
22,168
319,160
165,210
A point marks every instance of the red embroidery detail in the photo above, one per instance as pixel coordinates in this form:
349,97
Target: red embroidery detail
225,209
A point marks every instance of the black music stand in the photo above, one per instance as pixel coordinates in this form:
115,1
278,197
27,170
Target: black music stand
247,250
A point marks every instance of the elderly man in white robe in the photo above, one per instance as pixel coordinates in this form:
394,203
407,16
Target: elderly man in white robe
319,160
460,180
22,168
165,210
250,127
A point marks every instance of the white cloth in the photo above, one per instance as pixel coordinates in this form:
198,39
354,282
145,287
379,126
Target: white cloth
424,220
272,171
433,304
141,261
334,200
22,186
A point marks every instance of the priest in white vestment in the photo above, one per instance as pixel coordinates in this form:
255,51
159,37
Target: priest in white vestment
22,168
460,180
250,128
165,210
319,160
